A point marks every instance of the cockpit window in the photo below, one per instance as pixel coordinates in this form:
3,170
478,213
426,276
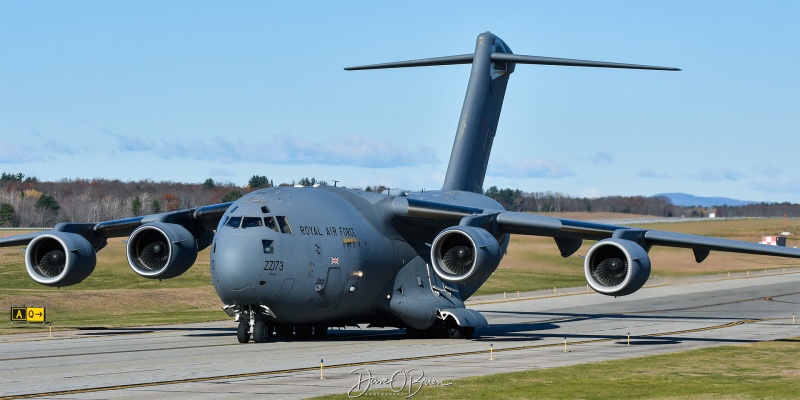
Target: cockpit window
234,222
284,225
251,222
269,246
223,222
269,222
265,209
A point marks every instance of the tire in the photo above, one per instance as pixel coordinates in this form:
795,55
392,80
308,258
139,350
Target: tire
303,331
457,332
283,330
243,332
259,332
320,331
454,332
467,333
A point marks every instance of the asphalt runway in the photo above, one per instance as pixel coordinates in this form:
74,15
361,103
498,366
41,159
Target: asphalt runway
204,361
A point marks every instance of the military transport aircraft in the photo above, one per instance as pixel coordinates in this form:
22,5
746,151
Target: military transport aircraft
299,260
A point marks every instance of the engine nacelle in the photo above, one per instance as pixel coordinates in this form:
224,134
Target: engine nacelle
616,267
59,258
465,254
159,250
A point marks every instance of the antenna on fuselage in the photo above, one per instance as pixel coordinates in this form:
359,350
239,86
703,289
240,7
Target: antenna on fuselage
484,100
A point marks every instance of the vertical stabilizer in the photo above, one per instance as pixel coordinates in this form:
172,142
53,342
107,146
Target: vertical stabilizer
492,64
479,116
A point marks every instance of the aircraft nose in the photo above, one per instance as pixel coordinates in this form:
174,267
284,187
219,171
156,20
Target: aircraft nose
236,261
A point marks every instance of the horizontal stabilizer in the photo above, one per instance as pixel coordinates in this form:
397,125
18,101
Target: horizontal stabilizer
506,57
520,59
425,62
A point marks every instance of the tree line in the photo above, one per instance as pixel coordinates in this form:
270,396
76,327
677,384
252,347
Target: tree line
29,202
661,206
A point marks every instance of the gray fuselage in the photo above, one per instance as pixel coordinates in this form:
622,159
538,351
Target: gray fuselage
317,255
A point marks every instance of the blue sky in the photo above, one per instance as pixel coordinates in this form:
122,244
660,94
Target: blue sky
187,90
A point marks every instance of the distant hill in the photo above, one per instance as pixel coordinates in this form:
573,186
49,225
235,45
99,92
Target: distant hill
686,200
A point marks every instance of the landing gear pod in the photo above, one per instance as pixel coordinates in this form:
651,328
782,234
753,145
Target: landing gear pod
161,251
465,254
59,259
616,267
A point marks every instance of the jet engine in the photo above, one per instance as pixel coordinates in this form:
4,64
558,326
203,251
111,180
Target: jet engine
616,267
465,254
59,258
159,250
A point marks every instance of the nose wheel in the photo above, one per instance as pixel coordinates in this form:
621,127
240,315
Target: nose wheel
243,332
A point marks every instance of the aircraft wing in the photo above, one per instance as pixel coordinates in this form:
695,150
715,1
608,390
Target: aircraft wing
194,219
570,230
568,234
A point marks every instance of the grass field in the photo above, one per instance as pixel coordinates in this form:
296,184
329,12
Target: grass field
766,370
114,296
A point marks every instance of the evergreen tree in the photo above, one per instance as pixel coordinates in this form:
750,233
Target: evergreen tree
47,203
48,206
258,181
233,195
136,206
155,207
6,177
6,214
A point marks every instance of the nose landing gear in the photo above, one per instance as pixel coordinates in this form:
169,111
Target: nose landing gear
243,331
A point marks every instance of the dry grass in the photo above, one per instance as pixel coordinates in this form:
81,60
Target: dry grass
112,296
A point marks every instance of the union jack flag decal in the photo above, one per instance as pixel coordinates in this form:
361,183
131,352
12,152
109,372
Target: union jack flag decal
335,260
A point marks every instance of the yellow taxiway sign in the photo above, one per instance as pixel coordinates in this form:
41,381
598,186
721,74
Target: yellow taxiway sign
27,314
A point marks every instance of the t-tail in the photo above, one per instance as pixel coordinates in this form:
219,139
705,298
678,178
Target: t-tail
492,64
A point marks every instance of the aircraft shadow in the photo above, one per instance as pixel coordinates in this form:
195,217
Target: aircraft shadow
102,331
637,316
509,333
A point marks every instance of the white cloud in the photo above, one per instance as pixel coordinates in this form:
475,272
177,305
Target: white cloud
651,173
129,143
603,157
350,150
46,149
528,168
785,186
720,174
11,153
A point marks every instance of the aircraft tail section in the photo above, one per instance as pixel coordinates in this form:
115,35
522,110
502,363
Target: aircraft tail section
492,64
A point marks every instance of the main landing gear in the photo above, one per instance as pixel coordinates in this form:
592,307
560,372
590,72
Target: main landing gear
262,332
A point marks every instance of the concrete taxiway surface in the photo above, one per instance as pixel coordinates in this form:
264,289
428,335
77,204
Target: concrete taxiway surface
527,332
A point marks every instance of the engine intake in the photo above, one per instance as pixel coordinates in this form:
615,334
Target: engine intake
59,259
159,250
465,254
616,267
